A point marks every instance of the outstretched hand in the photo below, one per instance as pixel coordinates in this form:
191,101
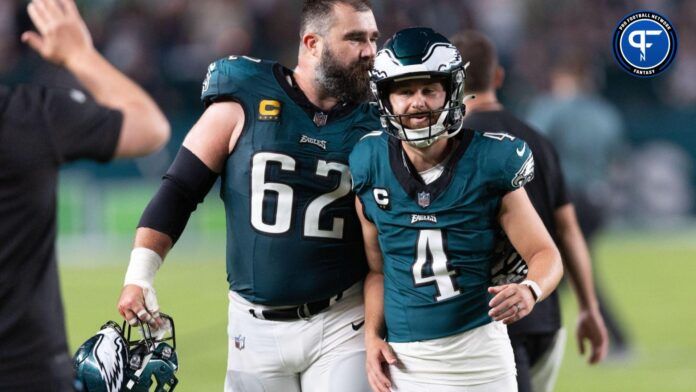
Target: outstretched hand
510,303
62,34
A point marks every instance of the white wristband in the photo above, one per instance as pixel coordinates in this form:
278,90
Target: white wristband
142,267
536,290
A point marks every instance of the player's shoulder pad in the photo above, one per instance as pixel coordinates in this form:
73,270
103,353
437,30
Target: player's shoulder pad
363,157
232,77
509,158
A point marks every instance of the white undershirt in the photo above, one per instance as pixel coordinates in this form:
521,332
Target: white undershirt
432,174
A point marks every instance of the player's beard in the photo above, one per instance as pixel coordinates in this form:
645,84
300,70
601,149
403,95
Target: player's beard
348,83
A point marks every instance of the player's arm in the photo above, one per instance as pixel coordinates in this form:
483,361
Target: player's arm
63,39
378,352
578,264
528,235
190,177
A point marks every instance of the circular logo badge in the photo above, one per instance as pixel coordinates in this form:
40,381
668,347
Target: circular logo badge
645,43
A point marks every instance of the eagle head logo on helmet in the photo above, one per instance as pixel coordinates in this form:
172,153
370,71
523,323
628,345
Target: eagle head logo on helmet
102,357
110,362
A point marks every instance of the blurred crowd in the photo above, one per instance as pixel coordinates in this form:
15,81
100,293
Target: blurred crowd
166,46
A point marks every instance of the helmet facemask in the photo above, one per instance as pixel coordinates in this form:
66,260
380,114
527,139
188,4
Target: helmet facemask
443,122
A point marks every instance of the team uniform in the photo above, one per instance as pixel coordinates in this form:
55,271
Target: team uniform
295,258
41,129
537,339
437,235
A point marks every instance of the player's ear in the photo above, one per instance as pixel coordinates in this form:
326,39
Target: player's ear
312,44
499,77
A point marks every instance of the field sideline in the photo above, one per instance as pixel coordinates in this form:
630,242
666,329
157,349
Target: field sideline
648,277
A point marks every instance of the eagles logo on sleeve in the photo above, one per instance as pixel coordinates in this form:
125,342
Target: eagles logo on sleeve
525,174
206,82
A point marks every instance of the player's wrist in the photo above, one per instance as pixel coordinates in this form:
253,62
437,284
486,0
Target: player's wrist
81,59
589,306
534,289
142,268
372,335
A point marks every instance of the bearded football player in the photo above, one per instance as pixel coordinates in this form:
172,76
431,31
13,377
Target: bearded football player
279,138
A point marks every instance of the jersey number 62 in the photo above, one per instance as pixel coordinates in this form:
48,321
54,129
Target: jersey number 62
285,194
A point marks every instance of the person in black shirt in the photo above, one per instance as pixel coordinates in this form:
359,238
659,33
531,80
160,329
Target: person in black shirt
538,339
42,128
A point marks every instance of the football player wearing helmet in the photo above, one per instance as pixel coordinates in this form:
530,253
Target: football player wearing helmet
110,362
279,139
432,197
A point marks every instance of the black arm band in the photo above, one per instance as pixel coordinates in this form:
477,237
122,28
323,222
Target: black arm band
185,185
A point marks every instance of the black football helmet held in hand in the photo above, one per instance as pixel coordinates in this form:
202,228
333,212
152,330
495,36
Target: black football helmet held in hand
110,362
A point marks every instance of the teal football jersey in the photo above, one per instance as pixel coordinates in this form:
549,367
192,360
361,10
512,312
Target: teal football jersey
437,240
292,233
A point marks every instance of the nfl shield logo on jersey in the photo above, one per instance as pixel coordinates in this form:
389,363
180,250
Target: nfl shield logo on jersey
239,342
320,119
424,199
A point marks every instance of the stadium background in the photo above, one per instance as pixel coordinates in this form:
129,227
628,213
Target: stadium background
644,259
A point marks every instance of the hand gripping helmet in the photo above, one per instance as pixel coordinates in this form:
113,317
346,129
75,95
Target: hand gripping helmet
413,53
110,362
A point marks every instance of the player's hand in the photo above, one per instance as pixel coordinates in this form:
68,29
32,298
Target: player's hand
591,327
379,356
510,303
139,304
62,34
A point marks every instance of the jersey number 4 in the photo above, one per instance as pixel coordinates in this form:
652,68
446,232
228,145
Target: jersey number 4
433,267
284,206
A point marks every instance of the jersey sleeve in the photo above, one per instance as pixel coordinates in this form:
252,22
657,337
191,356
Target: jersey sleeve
81,128
228,79
361,169
359,162
514,163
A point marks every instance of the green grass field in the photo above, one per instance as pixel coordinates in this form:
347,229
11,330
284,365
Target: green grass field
647,276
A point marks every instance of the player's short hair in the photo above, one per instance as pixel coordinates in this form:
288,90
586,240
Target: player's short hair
479,51
317,15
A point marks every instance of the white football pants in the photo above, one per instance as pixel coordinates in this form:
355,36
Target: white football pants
323,353
478,360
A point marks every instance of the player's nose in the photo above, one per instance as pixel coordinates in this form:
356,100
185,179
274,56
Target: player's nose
418,101
369,51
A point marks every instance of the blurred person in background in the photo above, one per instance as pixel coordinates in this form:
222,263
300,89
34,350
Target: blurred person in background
43,128
587,131
538,340
279,138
